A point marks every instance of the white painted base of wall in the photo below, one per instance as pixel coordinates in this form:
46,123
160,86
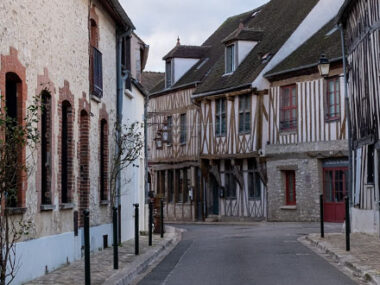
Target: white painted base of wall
37,255
365,221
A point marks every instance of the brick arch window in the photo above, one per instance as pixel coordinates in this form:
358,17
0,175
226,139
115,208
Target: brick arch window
84,155
103,160
66,152
46,148
96,68
13,89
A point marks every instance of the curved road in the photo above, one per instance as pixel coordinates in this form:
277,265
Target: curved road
260,254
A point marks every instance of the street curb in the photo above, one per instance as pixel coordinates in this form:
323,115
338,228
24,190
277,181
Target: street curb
343,258
130,272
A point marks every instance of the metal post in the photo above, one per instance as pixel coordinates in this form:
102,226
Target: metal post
348,228
136,228
150,222
115,245
322,216
87,272
162,218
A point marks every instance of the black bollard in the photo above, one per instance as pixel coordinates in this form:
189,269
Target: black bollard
87,272
150,222
348,227
162,218
136,229
322,216
115,245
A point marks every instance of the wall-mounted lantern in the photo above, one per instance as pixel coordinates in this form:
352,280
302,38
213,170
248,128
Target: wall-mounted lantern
165,132
324,66
158,140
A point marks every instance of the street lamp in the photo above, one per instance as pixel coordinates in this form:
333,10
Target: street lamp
323,65
165,132
158,140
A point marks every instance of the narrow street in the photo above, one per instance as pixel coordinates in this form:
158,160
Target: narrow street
263,254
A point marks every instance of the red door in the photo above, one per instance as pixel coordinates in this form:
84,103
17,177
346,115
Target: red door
334,189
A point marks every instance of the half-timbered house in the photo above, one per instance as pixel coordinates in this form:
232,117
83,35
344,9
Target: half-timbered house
361,22
306,148
235,98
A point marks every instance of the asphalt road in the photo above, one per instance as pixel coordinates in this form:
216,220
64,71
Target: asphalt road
260,254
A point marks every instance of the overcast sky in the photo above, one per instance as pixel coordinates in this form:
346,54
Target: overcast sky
160,22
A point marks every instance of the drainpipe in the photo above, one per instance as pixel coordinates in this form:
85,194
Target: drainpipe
119,111
347,106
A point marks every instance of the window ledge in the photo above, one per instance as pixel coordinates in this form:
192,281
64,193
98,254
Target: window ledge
287,132
227,73
104,202
95,98
289,207
47,207
254,198
66,206
332,120
15,210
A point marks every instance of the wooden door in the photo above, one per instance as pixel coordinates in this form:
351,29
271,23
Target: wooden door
334,189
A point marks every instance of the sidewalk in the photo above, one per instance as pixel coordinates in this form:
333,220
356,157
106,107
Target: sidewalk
362,261
102,271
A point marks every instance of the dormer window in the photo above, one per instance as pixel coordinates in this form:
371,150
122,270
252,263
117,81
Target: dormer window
169,74
230,58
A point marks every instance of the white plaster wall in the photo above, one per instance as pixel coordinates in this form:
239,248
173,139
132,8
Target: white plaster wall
181,66
132,178
244,47
321,14
365,221
55,251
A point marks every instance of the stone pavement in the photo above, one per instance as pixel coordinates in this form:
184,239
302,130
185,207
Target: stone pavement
102,271
362,261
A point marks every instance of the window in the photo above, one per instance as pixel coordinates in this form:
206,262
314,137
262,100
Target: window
46,148
103,160
254,191
170,133
370,164
335,184
182,139
333,99
244,113
97,73
66,157
220,117
290,187
168,74
13,112
230,59
180,186
230,183
84,157
170,186
288,108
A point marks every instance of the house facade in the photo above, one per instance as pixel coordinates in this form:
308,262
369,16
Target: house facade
360,22
65,51
132,186
307,148
233,97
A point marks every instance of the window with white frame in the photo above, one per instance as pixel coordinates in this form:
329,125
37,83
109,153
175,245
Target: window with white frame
230,58
220,117
244,113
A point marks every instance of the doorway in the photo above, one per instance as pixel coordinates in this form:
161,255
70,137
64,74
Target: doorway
334,189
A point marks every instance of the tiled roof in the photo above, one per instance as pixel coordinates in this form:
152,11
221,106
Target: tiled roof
244,34
326,40
278,19
150,79
183,51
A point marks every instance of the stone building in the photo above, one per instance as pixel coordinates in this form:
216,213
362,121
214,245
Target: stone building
66,51
306,149
360,21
